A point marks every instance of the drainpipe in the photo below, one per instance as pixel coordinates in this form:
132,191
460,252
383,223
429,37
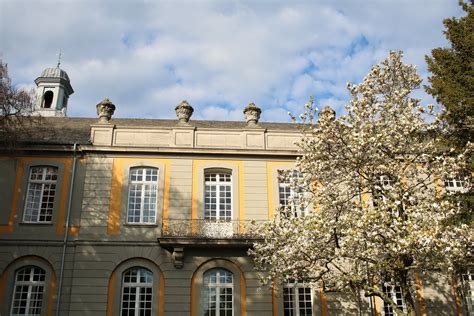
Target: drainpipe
66,231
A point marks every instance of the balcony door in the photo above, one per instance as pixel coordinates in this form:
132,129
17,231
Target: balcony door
217,204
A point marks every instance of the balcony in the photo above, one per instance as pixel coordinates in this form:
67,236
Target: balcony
178,234
210,229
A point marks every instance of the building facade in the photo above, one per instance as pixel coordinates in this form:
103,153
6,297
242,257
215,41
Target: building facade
154,217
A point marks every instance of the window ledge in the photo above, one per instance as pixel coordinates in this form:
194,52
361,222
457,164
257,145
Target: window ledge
194,242
36,223
139,225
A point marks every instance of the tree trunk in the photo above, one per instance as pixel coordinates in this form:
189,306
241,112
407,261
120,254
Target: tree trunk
407,294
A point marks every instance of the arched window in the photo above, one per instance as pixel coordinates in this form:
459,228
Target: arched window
137,292
48,99
218,195
28,291
218,293
142,193
40,195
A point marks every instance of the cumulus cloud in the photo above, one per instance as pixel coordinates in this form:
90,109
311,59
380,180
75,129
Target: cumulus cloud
148,56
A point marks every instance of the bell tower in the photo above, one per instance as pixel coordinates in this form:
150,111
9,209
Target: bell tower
53,91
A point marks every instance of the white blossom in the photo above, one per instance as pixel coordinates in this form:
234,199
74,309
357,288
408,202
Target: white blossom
362,230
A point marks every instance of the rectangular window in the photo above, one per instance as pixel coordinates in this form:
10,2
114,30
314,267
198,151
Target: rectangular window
297,300
218,196
142,196
395,293
40,195
383,184
456,183
289,192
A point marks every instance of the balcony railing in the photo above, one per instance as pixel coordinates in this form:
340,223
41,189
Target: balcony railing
210,229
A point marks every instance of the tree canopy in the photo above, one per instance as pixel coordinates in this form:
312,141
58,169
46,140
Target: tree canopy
374,179
452,79
452,84
16,108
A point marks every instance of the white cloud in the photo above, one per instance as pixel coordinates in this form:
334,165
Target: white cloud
148,56
276,115
213,113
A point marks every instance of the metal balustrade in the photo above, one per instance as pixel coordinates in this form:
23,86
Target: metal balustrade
212,229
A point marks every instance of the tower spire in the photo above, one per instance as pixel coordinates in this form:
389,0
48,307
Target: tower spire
59,59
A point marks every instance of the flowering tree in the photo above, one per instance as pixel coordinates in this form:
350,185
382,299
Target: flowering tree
371,177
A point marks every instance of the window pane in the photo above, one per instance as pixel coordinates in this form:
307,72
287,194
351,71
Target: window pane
142,195
218,196
40,195
137,292
456,183
289,192
28,291
297,300
218,292
395,293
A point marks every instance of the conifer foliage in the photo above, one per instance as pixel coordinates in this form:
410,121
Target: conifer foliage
452,79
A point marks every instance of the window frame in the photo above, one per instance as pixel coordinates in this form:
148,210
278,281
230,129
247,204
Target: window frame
142,195
43,182
138,286
137,229
295,295
392,290
199,169
9,277
219,185
293,194
467,290
220,289
455,183
197,285
114,292
383,183
30,284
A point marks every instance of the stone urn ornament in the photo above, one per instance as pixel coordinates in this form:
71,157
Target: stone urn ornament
184,111
105,110
252,114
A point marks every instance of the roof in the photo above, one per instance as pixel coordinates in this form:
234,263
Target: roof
55,73
70,130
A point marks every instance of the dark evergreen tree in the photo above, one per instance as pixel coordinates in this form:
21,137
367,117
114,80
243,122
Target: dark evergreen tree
452,80
452,84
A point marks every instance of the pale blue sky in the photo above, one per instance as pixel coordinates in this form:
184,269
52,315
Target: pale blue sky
147,56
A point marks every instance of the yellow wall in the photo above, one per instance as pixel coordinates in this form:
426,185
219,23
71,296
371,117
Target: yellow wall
20,184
